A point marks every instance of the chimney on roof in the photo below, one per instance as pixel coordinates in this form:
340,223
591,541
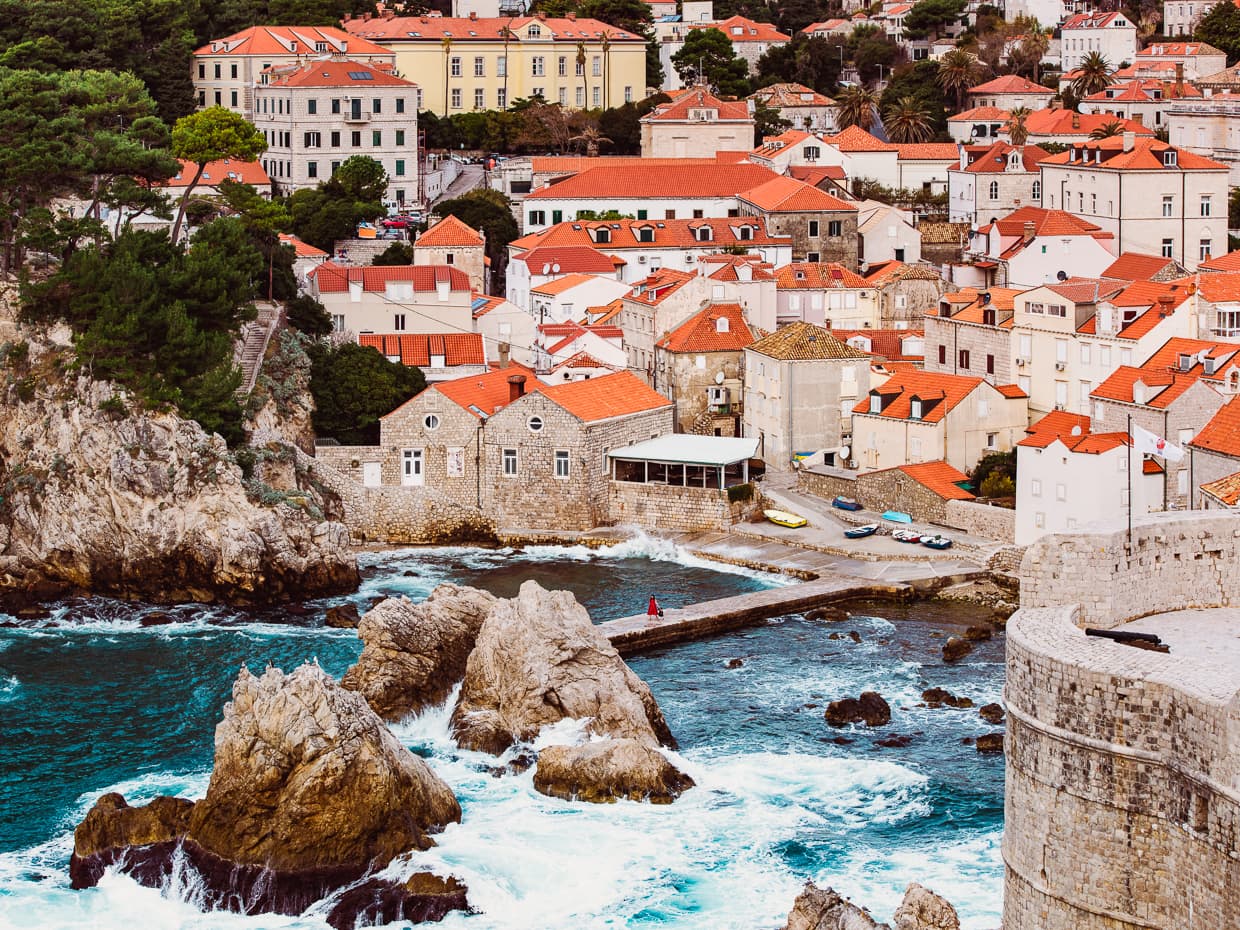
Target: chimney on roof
473,15
504,349
1179,79
1076,120
571,17
1130,140
389,14
516,387
1030,230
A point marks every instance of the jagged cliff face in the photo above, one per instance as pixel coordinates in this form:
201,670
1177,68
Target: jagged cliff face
101,496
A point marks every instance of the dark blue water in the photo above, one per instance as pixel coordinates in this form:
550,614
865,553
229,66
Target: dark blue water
97,702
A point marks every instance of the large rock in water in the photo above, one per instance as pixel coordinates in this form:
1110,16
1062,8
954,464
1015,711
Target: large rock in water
309,793
823,909
609,770
414,654
103,496
538,660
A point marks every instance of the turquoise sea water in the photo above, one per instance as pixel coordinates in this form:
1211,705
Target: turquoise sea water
92,701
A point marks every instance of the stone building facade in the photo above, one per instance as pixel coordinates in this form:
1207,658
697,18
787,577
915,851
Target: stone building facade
452,242
1121,810
700,366
673,509
904,292
822,228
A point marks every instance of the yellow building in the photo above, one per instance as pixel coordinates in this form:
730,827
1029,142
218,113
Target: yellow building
462,64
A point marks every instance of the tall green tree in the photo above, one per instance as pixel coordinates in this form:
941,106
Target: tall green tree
353,386
331,211
958,71
812,62
707,58
907,120
856,106
489,212
871,51
1018,132
1093,75
928,18
920,82
211,135
1221,28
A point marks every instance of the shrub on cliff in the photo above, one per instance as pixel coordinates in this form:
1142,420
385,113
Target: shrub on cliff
353,386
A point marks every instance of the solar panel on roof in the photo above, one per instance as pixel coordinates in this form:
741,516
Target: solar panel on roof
361,75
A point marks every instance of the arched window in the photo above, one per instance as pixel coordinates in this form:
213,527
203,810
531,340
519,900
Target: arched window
1037,192
994,190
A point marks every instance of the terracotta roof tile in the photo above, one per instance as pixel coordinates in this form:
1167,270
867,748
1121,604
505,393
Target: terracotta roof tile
1012,391
750,30
332,73
928,151
679,233
1135,266
280,40
1091,20
668,181
572,259
1224,490
417,348
1220,287
561,284
995,158
804,342
1161,373
610,396
1073,431
436,28
939,393
702,333
303,249
1145,155
1011,84
698,98
792,95
450,231
1071,123
882,273
230,169
486,392
856,139
1228,262
979,114
1222,433
788,195
818,276
658,286
940,478
334,279
887,343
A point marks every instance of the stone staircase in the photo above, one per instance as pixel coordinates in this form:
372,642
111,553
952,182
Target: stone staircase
252,346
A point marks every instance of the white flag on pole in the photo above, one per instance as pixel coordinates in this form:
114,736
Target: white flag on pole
1147,443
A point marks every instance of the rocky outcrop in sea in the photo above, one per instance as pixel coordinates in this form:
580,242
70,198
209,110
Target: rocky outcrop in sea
99,495
309,794
824,909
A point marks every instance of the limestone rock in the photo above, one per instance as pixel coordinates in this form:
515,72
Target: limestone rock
309,793
937,697
113,830
978,634
413,654
990,742
538,660
609,770
105,497
922,909
307,777
991,713
823,909
956,649
420,898
344,617
870,708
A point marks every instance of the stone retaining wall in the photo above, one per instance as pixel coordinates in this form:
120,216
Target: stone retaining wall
680,509
1121,808
997,523
1123,766
889,489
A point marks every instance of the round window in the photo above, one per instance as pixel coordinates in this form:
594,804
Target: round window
535,424
431,421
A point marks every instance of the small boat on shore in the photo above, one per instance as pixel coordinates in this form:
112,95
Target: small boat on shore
860,532
906,536
936,542
783,518
896,516
845,503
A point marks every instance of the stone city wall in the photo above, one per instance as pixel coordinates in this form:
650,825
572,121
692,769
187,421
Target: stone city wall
1177,560
663,507
997,523
1122,808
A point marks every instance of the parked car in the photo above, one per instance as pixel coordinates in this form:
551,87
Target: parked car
397,222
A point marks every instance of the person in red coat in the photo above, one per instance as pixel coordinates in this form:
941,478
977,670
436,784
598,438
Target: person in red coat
654,611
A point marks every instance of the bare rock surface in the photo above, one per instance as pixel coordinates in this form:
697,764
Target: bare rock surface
922,909
309,793
413,654
538,660
956,648
101,496
609,770
870,708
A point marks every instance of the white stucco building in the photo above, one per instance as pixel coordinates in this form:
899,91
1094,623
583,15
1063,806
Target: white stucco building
1111,35
697,124
992,182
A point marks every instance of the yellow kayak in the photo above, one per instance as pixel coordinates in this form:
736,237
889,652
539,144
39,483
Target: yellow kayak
783,518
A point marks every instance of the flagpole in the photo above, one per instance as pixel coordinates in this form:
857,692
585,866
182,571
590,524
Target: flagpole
1130,448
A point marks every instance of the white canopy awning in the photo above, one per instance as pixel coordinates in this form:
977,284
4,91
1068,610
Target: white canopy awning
689,449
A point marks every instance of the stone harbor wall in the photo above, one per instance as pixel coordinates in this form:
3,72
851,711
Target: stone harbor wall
997,523
660,507
1122,809
1176,560
889,489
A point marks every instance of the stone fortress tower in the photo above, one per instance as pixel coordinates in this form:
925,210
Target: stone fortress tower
1123,765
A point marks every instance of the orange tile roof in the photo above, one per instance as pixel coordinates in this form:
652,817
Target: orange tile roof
1011,84
417,348
618,395
303,249
1093,20
607,312
583,359
1073,431
698,98
575,164
989,114
292,40
1219,287
670,181
788,195
1071,123
658,286
818,276
939,393
679,234
887,343
1151,467
881,273
856,139
1136,266
792,95
564,283
816,174
1162,371
1145,90
335,279
750,30
571,259
1145,155
730,265
1225,490
484,304
1222,433
450,231
1011,391
486,392
701,332
940,478
1228,262
1163,49
995,158
332,73
928,151
230,169
437,28
825,26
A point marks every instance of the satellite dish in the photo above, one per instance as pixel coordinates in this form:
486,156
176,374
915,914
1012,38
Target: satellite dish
1076,430
555,269
719,377
546,268
844,451
1061,276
